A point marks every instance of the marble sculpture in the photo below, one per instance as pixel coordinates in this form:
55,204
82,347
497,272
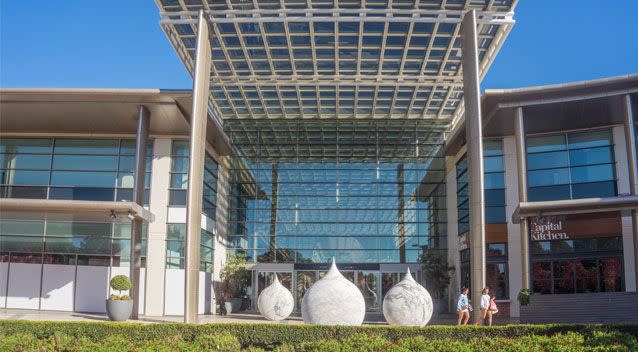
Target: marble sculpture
333,300
275,302
407,303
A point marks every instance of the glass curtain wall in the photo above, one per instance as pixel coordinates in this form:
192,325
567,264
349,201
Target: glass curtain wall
363,191
64,168
68,242
571,165
175,237
179,178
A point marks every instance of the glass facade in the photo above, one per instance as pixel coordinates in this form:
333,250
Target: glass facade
175,244
571,165
67,242
64,168
179,178
362,191
577,266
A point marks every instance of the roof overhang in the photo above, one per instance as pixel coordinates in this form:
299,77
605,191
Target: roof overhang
76,206
326,59
573,206
50,111
576,105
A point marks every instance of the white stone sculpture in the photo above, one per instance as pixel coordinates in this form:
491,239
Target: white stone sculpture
408,303
333,300
275,302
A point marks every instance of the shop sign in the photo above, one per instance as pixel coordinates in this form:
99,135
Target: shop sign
463,242
548,228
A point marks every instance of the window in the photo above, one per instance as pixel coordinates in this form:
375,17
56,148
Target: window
571,166
577,266
496,273
179,178
494,182
462,195
69,242
175,242
63,168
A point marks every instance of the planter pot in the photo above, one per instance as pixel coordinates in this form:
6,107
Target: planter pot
236,304
229,307
119,310
440,306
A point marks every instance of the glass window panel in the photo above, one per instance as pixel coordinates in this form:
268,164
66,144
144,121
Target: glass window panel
177,197
28,244
587,139
593,173
180,147
25,161
180,164
492,147
547,160
176,232
25,145
586,276
589,156
537,194
493,163
24,177
547,177
546,143
82,193
594,190
85,162
86,146
174,249
22,227
494,181
610,275
26,192
563,272
94,260
542,277
83,179
65,228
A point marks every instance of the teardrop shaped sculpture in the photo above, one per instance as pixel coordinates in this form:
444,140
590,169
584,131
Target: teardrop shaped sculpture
408,303
275,302
333,300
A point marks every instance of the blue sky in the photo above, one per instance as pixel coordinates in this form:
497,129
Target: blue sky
87,43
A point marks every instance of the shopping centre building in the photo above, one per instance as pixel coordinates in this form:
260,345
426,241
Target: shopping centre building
315,131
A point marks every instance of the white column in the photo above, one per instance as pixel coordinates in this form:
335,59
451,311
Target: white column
474,138
623,184
199,117
156,239
513,230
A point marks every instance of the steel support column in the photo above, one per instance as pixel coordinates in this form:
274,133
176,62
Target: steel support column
521,166
632,163
199,116
141,144
474,138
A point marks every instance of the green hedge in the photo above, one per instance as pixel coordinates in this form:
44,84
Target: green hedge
271,335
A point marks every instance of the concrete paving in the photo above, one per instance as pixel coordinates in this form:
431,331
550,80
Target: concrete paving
244,317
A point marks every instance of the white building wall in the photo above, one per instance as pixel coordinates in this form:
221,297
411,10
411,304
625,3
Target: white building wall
4,275
513,230
156,238
92,288
58,285
622,175
24,286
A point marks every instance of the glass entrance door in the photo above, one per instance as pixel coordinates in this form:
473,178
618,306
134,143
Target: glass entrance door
368,283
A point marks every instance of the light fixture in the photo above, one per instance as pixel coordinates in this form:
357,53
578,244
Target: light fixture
130,216
112,215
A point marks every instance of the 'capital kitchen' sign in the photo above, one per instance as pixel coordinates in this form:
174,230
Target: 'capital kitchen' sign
548,228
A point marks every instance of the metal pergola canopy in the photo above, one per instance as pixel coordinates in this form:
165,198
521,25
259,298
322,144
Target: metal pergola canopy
336,59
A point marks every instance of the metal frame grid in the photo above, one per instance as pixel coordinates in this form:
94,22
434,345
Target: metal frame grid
336,59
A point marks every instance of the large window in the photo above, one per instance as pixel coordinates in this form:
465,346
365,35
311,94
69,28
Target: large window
577,266
68,242
62,168
496,275
179,178
361,191
175,242
571,166
494,181
462,195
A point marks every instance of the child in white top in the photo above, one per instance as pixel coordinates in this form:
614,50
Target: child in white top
485,307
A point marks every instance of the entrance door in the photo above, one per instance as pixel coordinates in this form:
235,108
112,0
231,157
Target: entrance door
368,283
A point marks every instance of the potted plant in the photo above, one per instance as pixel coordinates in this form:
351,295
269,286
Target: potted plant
436,274
119,307
234,277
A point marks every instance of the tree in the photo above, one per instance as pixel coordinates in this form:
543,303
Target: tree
234,276
436,272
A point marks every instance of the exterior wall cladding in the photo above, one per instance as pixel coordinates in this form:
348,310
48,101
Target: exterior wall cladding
375,194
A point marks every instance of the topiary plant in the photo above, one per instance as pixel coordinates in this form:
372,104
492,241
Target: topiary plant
523,296
121,283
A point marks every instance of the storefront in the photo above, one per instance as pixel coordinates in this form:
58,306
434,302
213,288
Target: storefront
577,253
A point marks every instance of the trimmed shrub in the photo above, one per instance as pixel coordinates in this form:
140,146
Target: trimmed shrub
288,338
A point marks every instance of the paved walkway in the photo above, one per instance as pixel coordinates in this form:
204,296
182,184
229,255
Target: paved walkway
38,315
